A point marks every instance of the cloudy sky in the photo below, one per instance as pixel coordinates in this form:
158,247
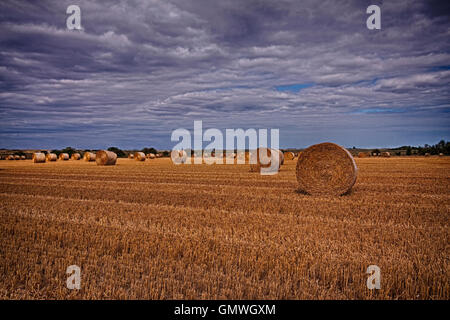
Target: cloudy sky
140,69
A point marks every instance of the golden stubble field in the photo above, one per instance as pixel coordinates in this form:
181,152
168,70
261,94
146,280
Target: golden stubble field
154,230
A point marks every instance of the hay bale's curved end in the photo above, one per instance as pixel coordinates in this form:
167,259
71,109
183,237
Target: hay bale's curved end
64,156
38,157
105,158
76,156
326,169
52,157
289,155
139,156
89,156
151,156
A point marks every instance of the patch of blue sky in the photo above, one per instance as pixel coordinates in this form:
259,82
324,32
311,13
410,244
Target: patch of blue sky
296,87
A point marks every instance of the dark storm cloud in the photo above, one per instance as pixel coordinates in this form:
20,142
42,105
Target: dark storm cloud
140,69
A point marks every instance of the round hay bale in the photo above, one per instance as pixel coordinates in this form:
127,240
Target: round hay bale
441,154
89,156
10,157
38,157
76,156
105,158
265,161
178,156
131,156
16,157
64,156
151,156
427,154
139,156
362,155
51,157
326,169
289,155
23,157
385,154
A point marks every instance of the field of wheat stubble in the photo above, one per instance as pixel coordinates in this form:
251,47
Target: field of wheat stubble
153,230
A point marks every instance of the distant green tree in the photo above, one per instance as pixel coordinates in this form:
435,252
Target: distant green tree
408,151
149,150
56,151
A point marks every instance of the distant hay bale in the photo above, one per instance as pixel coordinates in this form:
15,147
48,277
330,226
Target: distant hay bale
289,155
427,154
264,162
139,156
151,156
63,156
38,157
76,156
131,156
385,154
16,157
362,155
441,154
179,155
326,169
105,158
51,157
159,155
23,157
10,157
89,156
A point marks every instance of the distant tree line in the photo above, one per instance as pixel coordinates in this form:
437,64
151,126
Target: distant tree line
440,147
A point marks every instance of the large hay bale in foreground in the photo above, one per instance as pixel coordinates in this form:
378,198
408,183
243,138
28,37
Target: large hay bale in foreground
89,156
264,162
51,157
326,169
289,155
38,157
105,158
139,156
64,156
385,154
76,156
